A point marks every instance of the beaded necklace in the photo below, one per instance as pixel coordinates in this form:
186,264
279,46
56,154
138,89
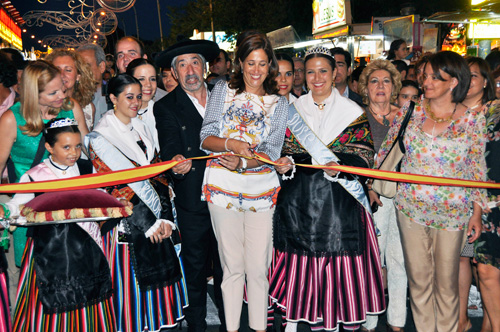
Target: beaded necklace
435,118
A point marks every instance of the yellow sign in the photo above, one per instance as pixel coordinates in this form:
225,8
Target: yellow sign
486,31
9,31
337,33
328,14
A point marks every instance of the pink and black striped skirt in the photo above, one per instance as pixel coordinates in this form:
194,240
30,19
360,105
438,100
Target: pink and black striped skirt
328,290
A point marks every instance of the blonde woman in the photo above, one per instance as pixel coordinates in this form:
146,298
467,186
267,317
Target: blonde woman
42,99
379,84
78,80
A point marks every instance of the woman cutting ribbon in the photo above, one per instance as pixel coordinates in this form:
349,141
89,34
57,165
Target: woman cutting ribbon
324,237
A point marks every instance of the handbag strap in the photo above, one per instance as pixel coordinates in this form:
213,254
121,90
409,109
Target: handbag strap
404,124
11,169
39,152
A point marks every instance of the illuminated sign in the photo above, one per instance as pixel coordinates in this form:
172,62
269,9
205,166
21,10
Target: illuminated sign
367,47
337,33
328,14
9,31
455,39
487,31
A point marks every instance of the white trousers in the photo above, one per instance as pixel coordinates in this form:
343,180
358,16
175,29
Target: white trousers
245,249
391,255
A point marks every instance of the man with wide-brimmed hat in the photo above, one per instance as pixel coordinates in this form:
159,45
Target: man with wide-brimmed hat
179,117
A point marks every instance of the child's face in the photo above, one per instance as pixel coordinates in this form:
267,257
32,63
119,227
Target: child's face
67,149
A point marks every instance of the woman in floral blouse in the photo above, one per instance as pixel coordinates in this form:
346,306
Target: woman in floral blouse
444,138
480,96
487,250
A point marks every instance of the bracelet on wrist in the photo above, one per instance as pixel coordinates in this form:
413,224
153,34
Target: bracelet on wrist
243,167
292,171
225,145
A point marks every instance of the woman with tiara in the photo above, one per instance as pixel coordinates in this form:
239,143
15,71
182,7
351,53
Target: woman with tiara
326,267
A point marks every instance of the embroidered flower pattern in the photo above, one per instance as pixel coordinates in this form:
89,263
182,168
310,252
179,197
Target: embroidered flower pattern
487,247
355,139
458,152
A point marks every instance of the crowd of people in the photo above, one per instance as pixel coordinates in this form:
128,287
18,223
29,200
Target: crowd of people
312,244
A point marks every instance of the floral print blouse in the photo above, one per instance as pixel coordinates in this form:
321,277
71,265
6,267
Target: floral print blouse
457,152
487,247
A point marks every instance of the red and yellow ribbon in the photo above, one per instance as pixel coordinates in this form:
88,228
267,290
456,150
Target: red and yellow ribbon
100,180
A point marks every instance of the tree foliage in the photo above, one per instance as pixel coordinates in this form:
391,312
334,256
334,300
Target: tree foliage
364,10
234,16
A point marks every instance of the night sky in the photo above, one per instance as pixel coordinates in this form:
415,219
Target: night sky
147,17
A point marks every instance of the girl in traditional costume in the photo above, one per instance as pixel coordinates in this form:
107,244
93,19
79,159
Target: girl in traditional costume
65,281
5,323
149,289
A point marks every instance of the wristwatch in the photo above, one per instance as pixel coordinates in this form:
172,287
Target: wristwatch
243,167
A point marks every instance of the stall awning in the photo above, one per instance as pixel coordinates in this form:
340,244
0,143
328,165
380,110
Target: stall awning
464,17
283,38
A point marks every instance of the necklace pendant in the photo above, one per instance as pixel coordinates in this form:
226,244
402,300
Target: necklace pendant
385,121
64,172
320,106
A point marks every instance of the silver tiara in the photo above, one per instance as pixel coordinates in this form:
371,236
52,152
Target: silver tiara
63,123
319,50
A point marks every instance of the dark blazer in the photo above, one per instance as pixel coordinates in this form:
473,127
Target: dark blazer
356,98
179,125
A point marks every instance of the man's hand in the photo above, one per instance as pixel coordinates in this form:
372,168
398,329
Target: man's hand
182,168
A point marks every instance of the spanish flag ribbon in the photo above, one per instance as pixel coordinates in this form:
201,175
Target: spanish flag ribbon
398,176
108,179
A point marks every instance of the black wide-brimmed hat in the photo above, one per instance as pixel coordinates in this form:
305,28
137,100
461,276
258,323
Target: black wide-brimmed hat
207,48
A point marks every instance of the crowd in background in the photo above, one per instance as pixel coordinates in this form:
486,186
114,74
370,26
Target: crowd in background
315,245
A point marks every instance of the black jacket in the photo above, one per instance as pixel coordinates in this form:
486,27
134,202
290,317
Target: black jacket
179,125
356,98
